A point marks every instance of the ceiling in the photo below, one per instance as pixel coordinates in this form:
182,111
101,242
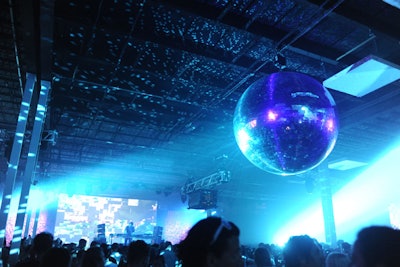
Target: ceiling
143,92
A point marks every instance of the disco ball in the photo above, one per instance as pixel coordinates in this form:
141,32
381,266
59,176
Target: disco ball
286,123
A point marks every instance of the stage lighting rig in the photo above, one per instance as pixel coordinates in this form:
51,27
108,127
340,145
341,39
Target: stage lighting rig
207,182
200,194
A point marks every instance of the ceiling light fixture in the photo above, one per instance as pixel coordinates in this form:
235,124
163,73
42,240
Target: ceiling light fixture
346,164
364,77
395,3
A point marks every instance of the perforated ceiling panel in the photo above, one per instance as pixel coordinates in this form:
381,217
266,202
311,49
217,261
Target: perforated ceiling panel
143,92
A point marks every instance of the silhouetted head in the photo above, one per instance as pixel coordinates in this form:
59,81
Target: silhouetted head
82,243
209,241
262,257
93,257
337,259
138,253
377,246
301,251
42,242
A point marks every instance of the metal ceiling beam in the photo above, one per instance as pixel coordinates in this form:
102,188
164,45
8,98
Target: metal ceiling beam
272,33
360,15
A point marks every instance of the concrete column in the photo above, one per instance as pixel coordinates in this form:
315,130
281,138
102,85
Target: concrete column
328,212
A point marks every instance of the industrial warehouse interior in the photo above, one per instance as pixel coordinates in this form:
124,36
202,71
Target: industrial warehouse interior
143,94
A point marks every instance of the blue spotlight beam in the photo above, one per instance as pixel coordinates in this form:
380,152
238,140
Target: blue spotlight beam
364,201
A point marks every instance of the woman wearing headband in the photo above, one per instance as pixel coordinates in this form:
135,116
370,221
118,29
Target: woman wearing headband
211,242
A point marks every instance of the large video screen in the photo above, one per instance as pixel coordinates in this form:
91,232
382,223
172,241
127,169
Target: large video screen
78,216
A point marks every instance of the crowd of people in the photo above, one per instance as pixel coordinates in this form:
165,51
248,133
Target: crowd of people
214,242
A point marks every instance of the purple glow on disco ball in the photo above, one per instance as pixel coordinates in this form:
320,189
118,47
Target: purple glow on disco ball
286,123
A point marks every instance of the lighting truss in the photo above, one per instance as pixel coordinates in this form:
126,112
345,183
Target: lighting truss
207,182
